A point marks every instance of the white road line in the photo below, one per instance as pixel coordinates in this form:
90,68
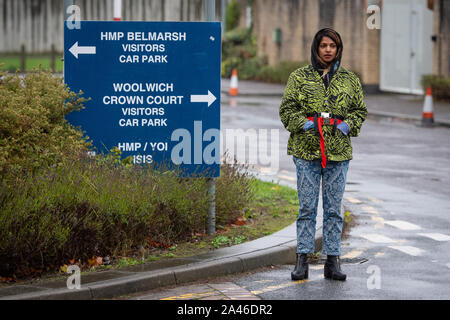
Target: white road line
263,281
403,225
379,222
375,200
266,170
377,238
353,200
412,251
448,265
282,176
352,254
370,209
317,267
436,236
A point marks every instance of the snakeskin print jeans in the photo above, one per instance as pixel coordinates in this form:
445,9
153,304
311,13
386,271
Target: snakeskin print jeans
309,174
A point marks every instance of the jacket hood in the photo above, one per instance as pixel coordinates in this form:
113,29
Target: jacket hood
316,61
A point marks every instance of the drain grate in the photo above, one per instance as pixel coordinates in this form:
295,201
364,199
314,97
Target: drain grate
354,260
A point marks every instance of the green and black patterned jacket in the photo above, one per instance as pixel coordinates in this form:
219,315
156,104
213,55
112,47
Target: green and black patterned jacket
306,93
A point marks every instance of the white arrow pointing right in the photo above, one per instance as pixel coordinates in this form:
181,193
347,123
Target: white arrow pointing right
210,98
76,50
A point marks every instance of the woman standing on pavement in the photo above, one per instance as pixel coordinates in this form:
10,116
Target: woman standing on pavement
322,107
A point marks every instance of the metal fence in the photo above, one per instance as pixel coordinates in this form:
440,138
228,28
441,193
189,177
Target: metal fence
38,24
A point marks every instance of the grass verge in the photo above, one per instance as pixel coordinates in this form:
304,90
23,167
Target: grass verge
273,208
11,63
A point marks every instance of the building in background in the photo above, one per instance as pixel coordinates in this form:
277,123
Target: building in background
38,24
412,39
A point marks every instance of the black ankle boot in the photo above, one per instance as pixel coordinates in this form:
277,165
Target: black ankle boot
301,267
332,269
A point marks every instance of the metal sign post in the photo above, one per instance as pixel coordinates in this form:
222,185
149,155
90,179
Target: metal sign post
154,90
210,13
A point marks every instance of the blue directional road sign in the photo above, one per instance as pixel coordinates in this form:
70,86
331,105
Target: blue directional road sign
154,89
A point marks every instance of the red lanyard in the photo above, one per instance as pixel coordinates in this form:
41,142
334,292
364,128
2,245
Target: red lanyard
320,123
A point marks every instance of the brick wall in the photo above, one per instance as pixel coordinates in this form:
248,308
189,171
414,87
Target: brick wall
299,20
441,47
39,23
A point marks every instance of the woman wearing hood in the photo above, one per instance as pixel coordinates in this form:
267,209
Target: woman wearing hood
322,107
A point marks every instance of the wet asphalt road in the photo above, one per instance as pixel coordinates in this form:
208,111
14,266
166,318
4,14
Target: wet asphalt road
399,193
398,190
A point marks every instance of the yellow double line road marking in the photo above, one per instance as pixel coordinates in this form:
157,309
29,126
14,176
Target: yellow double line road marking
281,286
189,296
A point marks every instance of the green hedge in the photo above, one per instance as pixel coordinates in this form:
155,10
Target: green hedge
92,207
280,72
232,15
58,204
33,130
240,52
440,86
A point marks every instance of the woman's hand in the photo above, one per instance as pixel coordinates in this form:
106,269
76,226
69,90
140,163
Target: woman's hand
308,125
345,129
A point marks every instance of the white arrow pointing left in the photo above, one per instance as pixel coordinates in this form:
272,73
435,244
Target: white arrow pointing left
210,98
76,50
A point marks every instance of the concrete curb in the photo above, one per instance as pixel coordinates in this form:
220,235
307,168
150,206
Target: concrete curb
406,118
275,249
280,254
284,253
